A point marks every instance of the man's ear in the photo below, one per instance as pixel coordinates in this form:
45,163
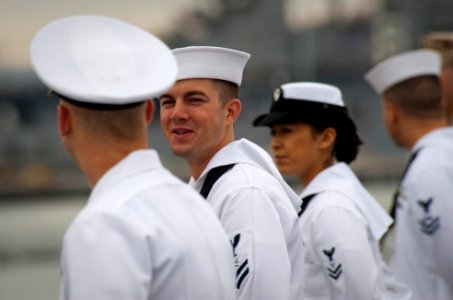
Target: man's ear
233,109
390,112
64,120
149,111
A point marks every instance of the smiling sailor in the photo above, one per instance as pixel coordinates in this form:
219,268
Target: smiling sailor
143,233
409,87
254,204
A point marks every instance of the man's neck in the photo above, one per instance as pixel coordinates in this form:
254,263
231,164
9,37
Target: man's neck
98,160
418,129
198,165
196,168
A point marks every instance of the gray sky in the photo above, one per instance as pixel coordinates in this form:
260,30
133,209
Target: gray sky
21,19
309,13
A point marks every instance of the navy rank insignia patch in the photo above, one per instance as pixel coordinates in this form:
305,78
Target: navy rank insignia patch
334,269
241,251
429,224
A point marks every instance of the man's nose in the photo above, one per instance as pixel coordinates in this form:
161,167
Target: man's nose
179,112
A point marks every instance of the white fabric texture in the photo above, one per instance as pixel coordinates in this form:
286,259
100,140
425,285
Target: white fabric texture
145,235
423,250
258,211
341,227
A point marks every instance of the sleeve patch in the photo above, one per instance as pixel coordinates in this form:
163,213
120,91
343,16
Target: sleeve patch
429,224
242,252
332,261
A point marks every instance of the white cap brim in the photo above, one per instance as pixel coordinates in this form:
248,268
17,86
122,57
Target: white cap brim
211,62
403,66
313,91
102,60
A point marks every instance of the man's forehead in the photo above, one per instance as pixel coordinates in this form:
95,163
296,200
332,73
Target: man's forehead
202,85
192,86
195,81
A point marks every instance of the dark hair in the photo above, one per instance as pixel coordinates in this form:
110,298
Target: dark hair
418,97
347,142
227,90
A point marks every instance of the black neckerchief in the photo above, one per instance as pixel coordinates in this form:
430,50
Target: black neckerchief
213,175
397,192
305,201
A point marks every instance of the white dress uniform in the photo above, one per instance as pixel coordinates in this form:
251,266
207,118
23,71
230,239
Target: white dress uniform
423,253
146,235
258,210
341,228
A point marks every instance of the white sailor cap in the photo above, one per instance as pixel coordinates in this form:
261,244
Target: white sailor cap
100,61
211,62
304,102
312,91
403,66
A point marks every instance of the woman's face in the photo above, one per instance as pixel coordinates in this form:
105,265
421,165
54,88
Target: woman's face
299,150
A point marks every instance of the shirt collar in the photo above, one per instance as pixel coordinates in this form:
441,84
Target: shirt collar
341,179
136,162
441,137
245,152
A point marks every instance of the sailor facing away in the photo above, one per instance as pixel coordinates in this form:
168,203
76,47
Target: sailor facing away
254,204
143,234
341,222
413,115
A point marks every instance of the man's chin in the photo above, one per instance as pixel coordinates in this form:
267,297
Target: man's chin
180,152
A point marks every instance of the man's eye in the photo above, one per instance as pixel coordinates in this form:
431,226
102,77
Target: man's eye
195,100
166,102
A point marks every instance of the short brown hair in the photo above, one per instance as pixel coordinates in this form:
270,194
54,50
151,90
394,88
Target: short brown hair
123,124
227,90
418,97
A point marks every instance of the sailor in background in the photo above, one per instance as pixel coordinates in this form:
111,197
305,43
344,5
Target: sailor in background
254,204
143,234
443,43
314,139
409,87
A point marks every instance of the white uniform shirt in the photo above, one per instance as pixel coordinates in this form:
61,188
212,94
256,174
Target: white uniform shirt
423,253
145,235
341,227
259,213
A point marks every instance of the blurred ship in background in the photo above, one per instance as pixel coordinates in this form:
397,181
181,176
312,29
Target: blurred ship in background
329,41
